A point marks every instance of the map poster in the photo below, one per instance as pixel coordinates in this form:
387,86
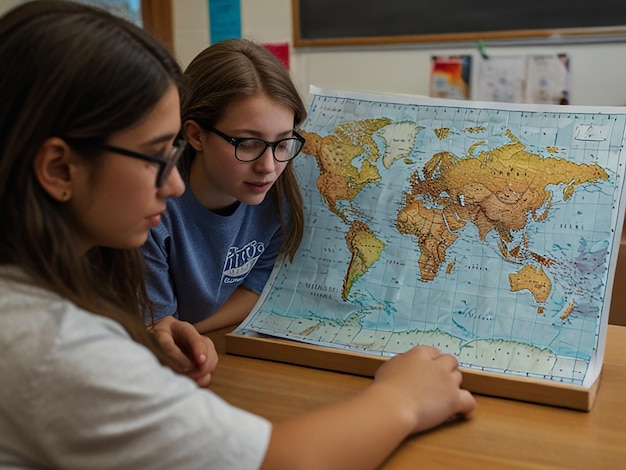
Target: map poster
547,78
488,230
537,79
502,79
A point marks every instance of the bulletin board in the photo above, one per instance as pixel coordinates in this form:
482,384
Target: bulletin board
368,22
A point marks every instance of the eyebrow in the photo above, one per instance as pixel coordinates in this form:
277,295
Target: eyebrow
257,134
160,139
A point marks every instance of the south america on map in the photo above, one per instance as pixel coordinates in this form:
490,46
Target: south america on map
489,231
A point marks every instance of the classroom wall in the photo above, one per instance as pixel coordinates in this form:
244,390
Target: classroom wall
598,71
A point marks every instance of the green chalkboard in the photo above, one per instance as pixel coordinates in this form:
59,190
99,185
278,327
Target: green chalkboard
362,22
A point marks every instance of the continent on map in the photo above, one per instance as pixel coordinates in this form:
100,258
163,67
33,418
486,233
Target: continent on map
365,248
339,179
433,236
533,279
499,189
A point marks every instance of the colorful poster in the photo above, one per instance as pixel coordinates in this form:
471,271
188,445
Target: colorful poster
488,230
450,77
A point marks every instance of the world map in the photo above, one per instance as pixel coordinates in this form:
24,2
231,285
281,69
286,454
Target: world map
489,231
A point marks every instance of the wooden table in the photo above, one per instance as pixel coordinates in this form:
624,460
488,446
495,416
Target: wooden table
501,434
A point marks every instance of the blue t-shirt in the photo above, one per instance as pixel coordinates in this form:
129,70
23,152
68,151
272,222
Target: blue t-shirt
195,258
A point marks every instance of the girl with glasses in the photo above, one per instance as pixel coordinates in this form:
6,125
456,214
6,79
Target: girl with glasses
211,256
85,97
75,207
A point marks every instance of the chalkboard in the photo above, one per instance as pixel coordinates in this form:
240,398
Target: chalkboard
363,22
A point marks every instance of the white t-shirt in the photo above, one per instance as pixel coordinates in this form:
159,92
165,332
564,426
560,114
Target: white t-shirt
77,392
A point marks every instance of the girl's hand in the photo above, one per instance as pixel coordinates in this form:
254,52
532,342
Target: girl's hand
427,385
193,354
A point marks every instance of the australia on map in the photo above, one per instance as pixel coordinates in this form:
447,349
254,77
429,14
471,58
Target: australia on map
489,231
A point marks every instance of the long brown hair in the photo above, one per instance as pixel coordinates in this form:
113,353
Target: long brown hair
231,70
79,72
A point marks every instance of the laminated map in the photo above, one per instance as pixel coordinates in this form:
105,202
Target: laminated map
487,230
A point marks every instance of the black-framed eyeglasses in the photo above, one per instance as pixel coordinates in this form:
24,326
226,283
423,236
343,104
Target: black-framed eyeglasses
166,164
249,149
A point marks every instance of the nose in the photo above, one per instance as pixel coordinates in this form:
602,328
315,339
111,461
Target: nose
266,162
174,185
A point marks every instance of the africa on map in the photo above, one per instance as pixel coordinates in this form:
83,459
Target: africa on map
489,231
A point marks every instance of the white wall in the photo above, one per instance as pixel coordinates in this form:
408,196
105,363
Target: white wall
191,28
598,71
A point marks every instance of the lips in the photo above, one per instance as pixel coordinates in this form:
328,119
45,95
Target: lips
153,220
260,186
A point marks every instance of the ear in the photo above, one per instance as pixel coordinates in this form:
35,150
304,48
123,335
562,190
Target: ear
194,134
53,168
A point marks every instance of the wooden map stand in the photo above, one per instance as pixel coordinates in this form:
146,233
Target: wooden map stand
545,392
